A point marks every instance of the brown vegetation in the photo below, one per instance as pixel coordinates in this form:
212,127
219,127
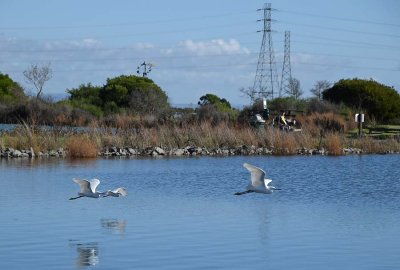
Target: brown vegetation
128,131
81,147
333,144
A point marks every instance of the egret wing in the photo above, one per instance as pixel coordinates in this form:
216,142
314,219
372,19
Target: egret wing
267,181
121,191
83,184
93,184
257,174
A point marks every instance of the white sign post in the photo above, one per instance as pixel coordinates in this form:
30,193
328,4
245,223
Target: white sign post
359,118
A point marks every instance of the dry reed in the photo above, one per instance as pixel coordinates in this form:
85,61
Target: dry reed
81,147
130,133
283,143
333,144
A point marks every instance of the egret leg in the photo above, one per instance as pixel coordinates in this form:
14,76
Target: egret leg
244,192
74,198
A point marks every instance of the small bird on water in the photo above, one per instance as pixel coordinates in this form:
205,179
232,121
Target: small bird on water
258,182
88,189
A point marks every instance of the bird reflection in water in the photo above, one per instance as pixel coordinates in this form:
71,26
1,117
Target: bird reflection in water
114,225
88,254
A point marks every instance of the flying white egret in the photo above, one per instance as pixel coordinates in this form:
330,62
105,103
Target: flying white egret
258,182
88,189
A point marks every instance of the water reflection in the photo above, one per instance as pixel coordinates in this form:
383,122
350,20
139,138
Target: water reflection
30,162
263,225
114,225
88,254
81,162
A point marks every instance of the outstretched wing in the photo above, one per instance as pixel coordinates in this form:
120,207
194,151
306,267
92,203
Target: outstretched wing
117,192
83,184
93,184
257,174
267,181
121,191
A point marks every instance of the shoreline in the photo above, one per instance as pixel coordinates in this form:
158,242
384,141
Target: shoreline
188,151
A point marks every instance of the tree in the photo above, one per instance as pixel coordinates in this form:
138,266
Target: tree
214,108
379,101
220,103
247,92
287,104
10,91
294,88
86,97
319,87
38,76
131,93
137,94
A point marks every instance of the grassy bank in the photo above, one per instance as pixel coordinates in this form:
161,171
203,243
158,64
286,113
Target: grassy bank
91,141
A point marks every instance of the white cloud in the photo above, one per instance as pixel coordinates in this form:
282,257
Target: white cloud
186,70
215,46
143,46
86,43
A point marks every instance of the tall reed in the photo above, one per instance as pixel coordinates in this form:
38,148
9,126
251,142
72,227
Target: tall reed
81,146
333,144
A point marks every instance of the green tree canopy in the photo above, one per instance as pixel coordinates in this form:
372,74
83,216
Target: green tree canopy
221,104
287,103
377,100
130,93
10,91
216,109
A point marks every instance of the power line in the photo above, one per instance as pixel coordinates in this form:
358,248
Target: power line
349,41
85,49
147,33
125,23
340,29
196,67
186,56
347,45
338,18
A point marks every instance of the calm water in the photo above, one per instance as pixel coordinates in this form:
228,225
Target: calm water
332,213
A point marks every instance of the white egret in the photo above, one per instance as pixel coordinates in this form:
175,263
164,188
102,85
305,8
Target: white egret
88,189
258,182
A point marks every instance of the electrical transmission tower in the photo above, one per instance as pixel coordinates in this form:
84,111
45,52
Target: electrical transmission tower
266,79
286,69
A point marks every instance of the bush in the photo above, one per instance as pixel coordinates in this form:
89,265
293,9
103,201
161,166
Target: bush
10,91
323,122
379,101
134,94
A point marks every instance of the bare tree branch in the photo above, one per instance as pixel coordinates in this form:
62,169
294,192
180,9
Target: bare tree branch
294,88
319,87
38,76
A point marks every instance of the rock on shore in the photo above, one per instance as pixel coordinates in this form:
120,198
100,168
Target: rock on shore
115,151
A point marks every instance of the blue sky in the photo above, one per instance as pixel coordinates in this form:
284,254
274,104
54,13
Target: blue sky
198,47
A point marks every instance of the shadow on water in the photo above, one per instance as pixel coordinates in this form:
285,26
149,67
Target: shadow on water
263,226
114,226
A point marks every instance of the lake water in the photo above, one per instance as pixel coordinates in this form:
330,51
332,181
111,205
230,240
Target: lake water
332,213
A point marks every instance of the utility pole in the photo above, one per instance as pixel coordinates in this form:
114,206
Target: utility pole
144,68
286,69
266,79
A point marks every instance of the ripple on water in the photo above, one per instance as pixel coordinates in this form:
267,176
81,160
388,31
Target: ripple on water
337,213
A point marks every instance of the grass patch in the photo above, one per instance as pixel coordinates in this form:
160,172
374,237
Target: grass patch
81,147
333,144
